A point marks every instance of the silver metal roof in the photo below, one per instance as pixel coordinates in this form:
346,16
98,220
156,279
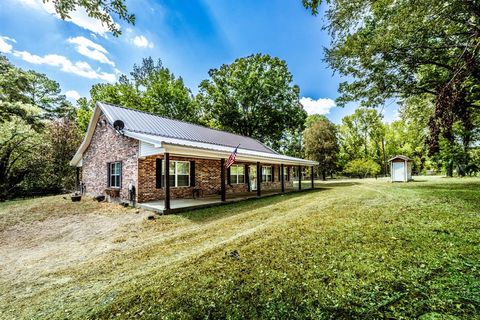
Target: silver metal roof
404,158
143,122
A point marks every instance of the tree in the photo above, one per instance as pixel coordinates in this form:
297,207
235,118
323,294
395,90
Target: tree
401,49
362,168
19,144
253,96
14,83
28,101
151,88
320,138
84,113
61,140
361,136
47,95
100,10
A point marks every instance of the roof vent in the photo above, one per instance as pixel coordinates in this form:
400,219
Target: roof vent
118,125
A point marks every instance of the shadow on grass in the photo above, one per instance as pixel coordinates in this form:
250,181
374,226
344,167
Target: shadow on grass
236,208
329,185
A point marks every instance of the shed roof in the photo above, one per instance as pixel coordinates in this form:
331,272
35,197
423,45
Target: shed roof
400,157
143,122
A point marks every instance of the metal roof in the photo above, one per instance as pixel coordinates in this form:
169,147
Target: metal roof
404,158
143,122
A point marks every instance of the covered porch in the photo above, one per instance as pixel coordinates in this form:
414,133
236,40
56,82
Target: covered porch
175,176
182,205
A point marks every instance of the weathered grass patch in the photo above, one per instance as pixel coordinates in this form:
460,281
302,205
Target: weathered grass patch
367,249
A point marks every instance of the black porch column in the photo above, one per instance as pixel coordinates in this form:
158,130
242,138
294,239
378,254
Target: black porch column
299,168
222,178
313,182
167,181
259,179
77,179
282,177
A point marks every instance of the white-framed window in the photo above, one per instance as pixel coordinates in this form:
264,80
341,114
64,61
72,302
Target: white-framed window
285,173
267,174
179,173
237,174
115,174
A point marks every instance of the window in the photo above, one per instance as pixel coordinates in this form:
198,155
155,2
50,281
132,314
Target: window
266,174
179,173
237,174
115,173
285,173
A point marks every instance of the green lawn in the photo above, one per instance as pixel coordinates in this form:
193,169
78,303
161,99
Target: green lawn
350,249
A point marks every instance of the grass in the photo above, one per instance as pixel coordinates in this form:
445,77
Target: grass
357,249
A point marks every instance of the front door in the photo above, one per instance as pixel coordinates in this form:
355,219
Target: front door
252,174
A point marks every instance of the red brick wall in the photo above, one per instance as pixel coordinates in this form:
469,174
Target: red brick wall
109,146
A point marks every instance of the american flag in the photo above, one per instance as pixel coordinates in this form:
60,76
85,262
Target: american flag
231,159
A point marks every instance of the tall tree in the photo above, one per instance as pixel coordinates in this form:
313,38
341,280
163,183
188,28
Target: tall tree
28,101
320,138
19,144
254,96
400,49
61,140
152,88
361,136
100,10
14,84
47,95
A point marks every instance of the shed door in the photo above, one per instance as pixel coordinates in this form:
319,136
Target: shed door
398,171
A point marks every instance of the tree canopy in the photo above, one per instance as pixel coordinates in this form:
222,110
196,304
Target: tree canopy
321,144
100,10
254,96
151,87
401,49
30,142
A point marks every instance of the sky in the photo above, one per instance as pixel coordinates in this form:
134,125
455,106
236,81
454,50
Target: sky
190,37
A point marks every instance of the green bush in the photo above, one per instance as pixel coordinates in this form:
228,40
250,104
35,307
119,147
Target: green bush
362,168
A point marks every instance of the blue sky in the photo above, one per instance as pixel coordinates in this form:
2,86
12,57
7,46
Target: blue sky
190,37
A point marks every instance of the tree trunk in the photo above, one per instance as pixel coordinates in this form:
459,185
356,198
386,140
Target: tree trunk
385,164
324,175
450,169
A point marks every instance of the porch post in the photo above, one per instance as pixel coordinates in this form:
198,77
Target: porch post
222,178
282,177
259,179
299,168
77,179
313,182
167,181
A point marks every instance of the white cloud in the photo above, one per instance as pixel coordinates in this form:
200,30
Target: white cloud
78,16
72,95
91,50
79,68
319,106
5,46
142,42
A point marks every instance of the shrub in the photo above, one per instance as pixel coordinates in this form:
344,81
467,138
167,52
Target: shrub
362,168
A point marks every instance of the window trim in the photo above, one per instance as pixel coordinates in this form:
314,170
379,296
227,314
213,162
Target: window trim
266,176
111,174
237,175
175,174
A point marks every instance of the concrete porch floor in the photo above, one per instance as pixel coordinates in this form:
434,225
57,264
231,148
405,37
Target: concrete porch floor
181,205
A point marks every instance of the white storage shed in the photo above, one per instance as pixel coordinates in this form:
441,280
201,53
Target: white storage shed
400,169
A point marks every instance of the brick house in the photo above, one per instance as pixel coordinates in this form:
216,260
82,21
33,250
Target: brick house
166,159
